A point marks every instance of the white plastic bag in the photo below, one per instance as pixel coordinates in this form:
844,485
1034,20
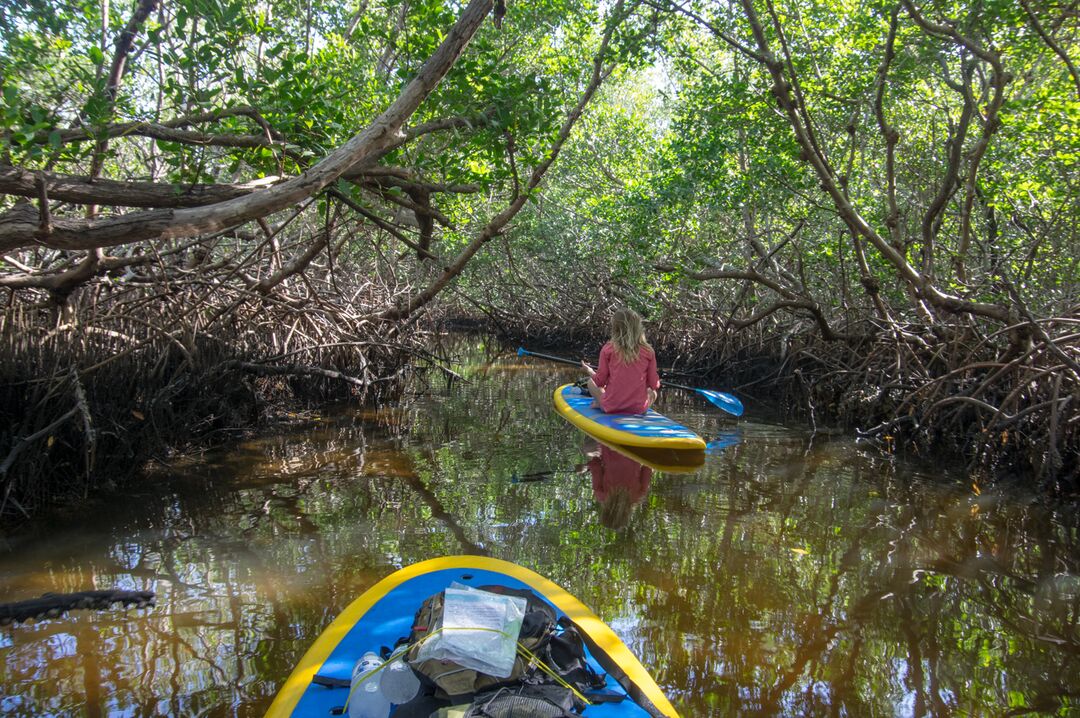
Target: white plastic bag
479,630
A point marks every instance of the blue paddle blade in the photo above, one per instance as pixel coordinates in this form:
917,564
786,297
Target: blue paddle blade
522,352
723,400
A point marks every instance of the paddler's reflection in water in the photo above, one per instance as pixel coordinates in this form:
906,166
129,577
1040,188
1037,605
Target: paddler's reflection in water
619,483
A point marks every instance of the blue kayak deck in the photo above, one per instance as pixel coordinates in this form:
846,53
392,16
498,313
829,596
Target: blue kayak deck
391,618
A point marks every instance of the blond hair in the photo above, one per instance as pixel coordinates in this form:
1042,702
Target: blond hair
616,509
628,335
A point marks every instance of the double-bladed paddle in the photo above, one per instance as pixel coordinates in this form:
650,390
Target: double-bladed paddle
725,401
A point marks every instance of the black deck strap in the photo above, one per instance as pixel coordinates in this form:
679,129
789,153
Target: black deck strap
605,696
330,681
615,671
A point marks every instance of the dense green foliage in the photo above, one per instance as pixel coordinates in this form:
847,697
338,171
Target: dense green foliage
315,72
691,163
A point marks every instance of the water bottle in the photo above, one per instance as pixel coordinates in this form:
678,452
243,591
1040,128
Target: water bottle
398,682
365,698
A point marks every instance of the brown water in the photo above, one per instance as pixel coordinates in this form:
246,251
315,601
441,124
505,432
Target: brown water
791,574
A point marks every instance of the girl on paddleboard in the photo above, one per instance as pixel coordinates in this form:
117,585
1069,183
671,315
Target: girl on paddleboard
626,381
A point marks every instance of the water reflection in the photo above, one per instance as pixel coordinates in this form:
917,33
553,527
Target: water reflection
788,574
621,474
618,482
722,441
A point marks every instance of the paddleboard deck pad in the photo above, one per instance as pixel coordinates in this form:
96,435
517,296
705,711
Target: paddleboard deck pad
651,429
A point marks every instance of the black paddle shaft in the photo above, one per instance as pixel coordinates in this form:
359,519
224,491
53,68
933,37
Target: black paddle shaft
562,360
549,357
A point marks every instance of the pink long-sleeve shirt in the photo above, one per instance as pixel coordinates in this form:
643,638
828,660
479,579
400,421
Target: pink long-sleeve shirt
625,384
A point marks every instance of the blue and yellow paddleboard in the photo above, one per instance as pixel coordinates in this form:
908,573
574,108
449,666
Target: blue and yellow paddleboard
650,430
385,613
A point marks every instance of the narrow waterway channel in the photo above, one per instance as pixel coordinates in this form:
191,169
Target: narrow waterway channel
791,574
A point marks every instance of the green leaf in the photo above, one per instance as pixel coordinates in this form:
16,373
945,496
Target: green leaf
96,55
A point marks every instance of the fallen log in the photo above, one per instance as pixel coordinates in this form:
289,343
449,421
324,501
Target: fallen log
53,605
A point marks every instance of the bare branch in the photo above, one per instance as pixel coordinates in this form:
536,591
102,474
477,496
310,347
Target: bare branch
23,183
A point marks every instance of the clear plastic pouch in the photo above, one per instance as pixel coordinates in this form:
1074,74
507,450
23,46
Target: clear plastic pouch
479,630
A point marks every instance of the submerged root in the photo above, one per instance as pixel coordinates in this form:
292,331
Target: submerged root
51,605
